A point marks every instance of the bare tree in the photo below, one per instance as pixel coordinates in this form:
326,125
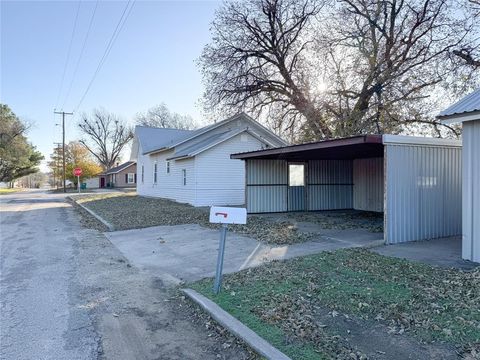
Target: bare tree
160,116
257,58
398,54
352,67
105,136
470,52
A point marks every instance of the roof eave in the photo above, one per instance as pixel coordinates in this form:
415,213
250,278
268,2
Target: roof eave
374,139
156,151
183,157
458,118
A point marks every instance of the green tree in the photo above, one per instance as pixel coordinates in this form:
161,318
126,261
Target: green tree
77,155
17,156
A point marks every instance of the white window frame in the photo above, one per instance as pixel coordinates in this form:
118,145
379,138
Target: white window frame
155,172
130,180
184,177
167,167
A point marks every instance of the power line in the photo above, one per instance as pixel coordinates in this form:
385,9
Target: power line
68,54
81,53
113,38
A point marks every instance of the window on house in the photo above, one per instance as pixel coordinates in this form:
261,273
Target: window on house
184,175
155,173
131,178
168,167
143,174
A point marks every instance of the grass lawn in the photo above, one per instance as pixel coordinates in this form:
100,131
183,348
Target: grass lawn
8,191
354,304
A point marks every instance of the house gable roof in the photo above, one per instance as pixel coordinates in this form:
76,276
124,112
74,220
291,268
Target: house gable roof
200,140
152,138
212,141
466,109
211,127
119,168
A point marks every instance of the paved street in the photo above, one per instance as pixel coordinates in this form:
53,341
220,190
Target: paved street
39,317
68,293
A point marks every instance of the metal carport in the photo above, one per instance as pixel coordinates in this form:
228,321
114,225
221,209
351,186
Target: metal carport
414,181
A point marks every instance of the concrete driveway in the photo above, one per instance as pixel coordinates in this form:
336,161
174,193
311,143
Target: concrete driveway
443,252
189,252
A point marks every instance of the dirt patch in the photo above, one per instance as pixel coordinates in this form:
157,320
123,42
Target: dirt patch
138,317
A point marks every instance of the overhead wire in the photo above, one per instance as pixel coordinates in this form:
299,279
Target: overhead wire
67,60
81,54
121,23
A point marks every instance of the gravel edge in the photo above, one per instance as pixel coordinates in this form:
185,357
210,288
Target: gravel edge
109,226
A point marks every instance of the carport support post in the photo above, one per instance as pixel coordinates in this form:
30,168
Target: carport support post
221,251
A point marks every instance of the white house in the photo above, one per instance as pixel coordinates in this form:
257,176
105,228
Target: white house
467,111
194,166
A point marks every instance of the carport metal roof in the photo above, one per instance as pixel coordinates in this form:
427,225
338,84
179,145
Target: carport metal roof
365,146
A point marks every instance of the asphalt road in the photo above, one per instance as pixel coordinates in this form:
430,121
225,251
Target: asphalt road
39,316
67,293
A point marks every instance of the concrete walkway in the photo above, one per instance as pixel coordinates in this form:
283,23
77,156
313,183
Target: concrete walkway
443,252
189,252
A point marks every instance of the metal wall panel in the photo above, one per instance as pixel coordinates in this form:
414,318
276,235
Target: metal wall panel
471,191
296,198
267,182
261,172
423,192
330,184
368,184
327,197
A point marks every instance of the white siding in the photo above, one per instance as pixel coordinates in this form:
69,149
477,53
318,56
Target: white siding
92,183
368,184
169,186
221,180
471,191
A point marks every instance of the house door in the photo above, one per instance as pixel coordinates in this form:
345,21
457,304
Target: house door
296,187
102,182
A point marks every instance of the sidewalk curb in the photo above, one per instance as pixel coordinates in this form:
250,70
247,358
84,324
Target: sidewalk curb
104,222
238,329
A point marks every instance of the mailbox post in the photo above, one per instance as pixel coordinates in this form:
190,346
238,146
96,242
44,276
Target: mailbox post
224,216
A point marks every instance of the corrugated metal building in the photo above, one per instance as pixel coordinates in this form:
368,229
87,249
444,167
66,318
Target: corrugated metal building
467,111
414,181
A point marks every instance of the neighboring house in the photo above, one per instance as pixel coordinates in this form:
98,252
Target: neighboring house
121,176
414,181
194,166
92,183
467,112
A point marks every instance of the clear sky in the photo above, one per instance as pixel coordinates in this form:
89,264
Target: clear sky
151,61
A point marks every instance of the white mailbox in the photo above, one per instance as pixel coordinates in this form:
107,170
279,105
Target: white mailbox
228,215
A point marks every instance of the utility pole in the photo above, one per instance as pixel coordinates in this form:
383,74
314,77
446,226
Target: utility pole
63,146
57,157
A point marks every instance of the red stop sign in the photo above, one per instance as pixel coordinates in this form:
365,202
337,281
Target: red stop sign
77,171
